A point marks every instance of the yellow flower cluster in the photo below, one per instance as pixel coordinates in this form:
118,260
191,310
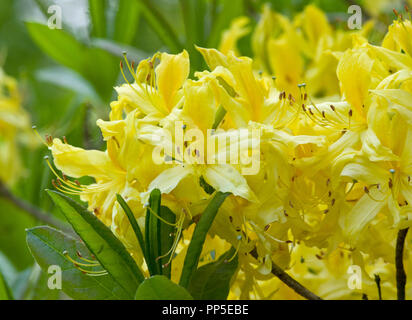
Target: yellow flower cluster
13,121
329,121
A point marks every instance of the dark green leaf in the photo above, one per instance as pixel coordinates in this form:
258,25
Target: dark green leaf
212,281
47,246
166,238
198,238
133,223
109,251
152,227
161,288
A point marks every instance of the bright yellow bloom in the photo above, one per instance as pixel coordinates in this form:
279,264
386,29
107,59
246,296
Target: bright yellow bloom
333,181
14,129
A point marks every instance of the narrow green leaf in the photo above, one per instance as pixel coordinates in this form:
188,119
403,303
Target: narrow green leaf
127,20
212,281
133,223
193,17
47,246
151,233
5,292
109,251
160,25
166,238
161,288
198,238
98,16
227,10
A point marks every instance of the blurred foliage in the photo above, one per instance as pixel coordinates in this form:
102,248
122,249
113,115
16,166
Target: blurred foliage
67,77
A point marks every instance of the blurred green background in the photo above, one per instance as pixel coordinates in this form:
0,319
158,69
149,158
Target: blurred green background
66,79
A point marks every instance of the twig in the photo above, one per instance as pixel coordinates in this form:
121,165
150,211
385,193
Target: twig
288,280
378,284
30,209
400,271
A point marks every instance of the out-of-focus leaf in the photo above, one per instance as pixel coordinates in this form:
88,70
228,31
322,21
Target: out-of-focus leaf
20,284
99,239
5,293
94,64
7,269
227,10
12,237
161,288
58,44
127,20
160,25
66,78
98,16
101,69
212,281
117,49
48,246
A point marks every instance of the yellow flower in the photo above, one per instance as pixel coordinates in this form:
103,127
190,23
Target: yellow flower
157,89
14,129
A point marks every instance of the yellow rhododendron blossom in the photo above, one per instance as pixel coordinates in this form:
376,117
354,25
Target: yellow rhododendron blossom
323,119
14,129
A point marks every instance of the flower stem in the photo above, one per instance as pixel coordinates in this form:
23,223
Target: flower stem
400,271
288,280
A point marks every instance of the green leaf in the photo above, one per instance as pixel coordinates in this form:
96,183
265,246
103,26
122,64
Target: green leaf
160,25
58,44
109,251
47,246
101,69
133,223
166,238
227,11
13,221
212,281
161,288
152,228
98,16
198,238
94,64
127,20
5,293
